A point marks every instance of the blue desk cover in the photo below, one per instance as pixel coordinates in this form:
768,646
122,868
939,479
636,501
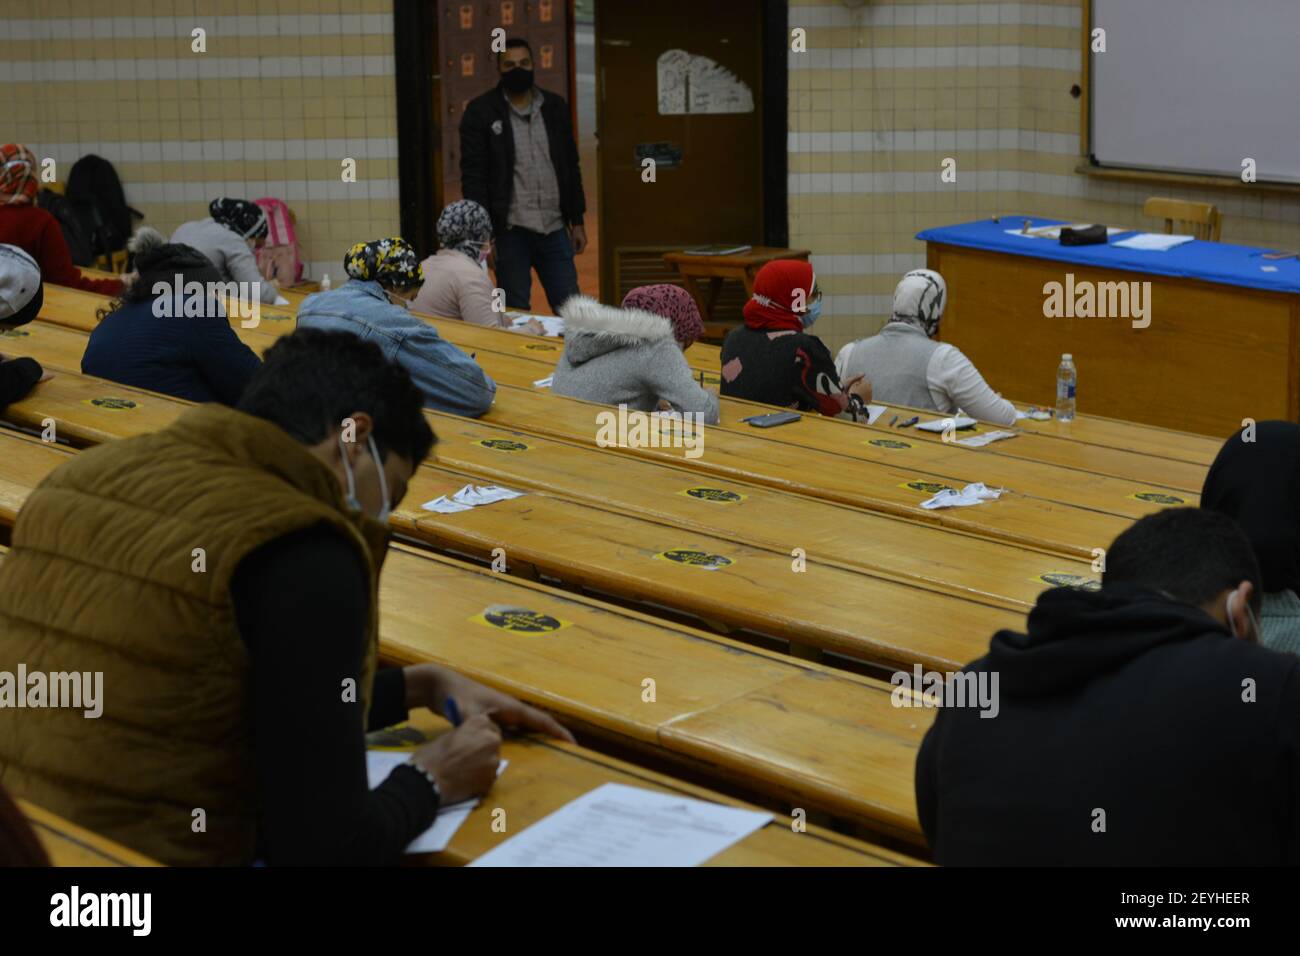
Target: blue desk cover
1208,261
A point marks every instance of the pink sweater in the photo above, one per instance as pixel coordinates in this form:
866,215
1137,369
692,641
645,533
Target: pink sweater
456,287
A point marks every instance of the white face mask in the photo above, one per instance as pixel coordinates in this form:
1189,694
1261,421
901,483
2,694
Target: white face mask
351,496
1250,613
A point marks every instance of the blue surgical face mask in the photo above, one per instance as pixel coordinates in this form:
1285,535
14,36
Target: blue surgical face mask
351,497
812,315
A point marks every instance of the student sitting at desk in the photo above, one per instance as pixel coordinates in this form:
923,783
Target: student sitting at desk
772,358
21,296
34,230
906,367
229,237
242,687
456,284
633,355
140,341
1137,725
385,275
1255,480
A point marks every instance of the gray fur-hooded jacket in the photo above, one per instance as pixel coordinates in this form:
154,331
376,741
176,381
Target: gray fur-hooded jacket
626,357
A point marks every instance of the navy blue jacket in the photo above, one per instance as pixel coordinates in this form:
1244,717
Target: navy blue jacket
198,359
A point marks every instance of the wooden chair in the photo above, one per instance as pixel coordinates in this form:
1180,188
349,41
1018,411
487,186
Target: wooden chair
1201,219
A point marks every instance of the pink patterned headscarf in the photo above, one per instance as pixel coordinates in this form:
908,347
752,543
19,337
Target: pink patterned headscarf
672,302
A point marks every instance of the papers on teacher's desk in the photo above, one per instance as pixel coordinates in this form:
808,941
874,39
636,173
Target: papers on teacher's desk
380,763
618,825
1054,232
471,496
552,324
1153,241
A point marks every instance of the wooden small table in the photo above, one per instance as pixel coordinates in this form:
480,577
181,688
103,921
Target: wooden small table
741,266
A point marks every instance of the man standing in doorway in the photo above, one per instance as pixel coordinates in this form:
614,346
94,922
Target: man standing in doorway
518,160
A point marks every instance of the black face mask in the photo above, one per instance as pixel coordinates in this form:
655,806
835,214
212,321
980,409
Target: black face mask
517,80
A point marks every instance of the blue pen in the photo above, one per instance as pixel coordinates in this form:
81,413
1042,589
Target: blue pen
452,711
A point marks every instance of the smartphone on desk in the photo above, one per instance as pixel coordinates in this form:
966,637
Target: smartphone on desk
772,420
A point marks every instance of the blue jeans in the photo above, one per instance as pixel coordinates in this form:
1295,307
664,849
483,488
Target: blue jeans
520,251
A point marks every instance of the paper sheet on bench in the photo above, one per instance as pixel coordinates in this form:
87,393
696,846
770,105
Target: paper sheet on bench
943,424
1154,241
280,300
988,438
471,496
874,412
380,763
972,494
545,382
552,324
618,825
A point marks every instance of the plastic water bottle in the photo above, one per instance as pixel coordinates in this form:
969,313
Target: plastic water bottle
325,282
1066,378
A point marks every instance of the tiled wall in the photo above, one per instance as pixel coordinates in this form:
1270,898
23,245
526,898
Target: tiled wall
286,90
890,88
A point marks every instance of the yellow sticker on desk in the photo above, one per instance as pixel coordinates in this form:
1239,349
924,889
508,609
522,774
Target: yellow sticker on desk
520,620
13,333
540,347
1158,498
501,444
888,443
719,495
696,559
929,487
116,404
1065,579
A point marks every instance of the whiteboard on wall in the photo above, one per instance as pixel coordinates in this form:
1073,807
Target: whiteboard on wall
1197,86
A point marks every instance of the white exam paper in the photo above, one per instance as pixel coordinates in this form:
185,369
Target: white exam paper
618,825
553,325
471,496
280,300
874,412
380,763
972,494
943,424
988,438
544,382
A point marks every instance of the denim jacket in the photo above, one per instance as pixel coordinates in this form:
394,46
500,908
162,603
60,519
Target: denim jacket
450,379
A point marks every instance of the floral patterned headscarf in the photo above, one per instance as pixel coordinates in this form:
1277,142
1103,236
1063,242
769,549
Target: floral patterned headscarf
391,262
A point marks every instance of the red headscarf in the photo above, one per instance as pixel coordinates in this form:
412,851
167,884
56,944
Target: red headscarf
18,183
772,306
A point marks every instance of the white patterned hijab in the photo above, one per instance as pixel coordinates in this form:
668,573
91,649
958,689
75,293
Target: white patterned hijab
919,300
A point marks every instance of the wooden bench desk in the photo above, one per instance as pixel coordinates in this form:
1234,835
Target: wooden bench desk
586,661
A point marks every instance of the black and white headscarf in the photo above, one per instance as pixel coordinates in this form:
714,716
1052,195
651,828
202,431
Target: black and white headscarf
240,216
919,300
464,226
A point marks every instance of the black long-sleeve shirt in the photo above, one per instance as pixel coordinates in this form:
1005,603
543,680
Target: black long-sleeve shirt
302,610
17,378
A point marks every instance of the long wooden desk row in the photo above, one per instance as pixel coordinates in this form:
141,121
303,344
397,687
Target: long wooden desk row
810,735
77,309
872,615
1075,522
671,493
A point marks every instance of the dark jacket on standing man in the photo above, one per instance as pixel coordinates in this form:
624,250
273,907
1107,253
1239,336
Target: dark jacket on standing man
487,155
1131,730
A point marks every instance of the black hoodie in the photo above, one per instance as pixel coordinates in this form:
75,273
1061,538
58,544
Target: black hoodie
1122,709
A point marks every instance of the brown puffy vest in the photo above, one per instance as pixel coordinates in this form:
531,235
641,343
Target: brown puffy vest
104,575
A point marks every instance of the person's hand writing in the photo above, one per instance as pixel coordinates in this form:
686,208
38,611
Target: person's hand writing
463,761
